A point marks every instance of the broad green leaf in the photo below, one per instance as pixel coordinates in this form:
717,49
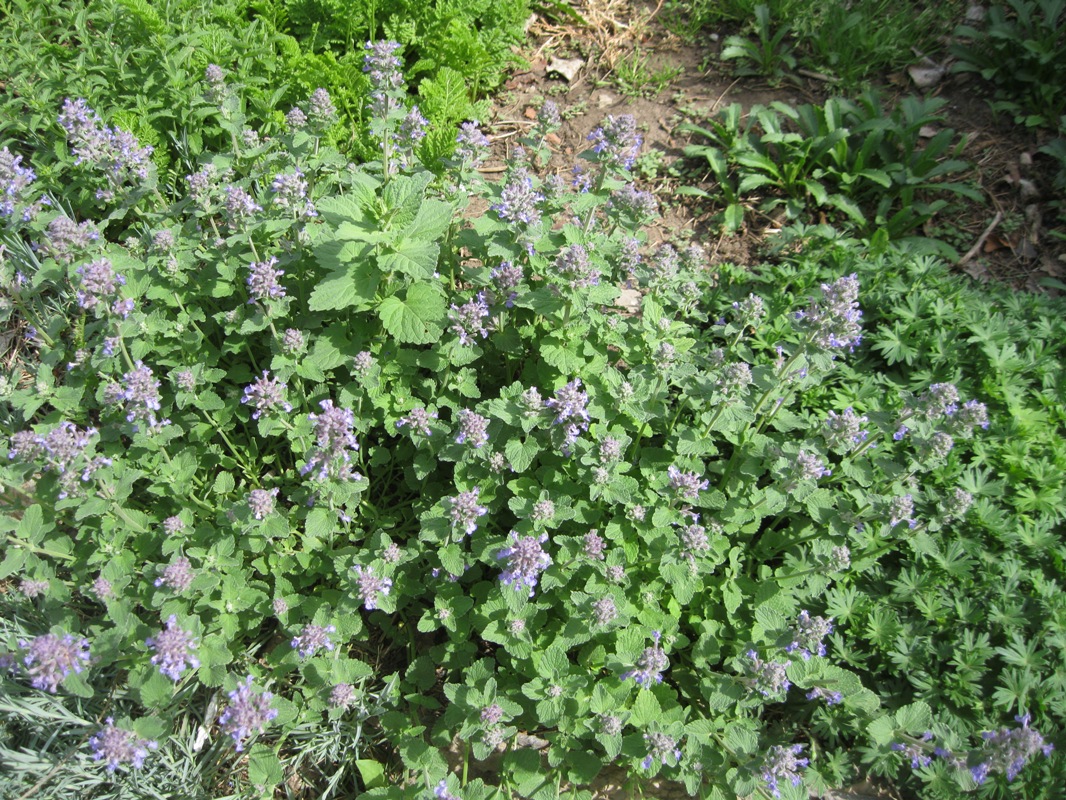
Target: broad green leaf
416,319
264,767
431,221
412,257
372,772
353,287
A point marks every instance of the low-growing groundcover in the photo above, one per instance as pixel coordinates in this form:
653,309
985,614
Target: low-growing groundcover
320,473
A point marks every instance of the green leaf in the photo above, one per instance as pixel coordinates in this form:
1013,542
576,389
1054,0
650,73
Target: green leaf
882,730
372,772
31,527
223,484
431,221
562,358
418,318
646,709
157,691
412,257
916,717
444,96
353,287
521,453
264,767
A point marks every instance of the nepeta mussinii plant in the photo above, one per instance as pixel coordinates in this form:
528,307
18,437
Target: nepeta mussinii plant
397,433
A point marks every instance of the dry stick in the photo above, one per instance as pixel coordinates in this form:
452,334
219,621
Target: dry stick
981,240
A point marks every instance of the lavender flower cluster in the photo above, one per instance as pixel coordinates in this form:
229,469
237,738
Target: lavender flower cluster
115,152
247,714
117,746
65,450
807,635
650,666
50,658
526,560
335,437
836,322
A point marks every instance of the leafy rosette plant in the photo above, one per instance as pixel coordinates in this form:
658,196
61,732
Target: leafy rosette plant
342,476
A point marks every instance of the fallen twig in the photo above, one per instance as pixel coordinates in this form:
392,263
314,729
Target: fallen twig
981,240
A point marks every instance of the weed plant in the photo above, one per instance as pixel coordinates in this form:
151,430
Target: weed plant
851,43
316,473
870,165
1019,50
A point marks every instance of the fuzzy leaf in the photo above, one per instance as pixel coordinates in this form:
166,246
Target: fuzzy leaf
418,318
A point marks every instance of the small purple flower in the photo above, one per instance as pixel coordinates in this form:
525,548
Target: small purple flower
548,118
505,279
687,485
296,119
830,698
312,639
173,525
293,341
335,434
412,129
173,648
266,394
971,415
468,320
604,610
418,420
368,586
616,141
15,180
807,635
239,206
1009,749
342,695
783,763
320,108
117,746
50,658
185,379
941,399
519,199
570,403
956,504
261,502
807,467
290,193
247,714
471,144
594,546
526,559
901,509
31,589
177,575
844,431
382,66
835,323
102,588
141,394
492,714
473,428
464,510
919,756
633,204
768,678
901,431
99,284
263,281
65,239
650,665
661,748
575,266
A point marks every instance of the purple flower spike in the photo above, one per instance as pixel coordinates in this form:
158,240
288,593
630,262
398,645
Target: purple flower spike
687,484
312,639
266,394
782,763
464,511
117,746
50,658
807,635
650,666
368,586
526,559
617,141
173,648
247,714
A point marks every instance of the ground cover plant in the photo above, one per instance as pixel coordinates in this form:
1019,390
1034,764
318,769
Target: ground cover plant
872,166
848,45
319,471
145,61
